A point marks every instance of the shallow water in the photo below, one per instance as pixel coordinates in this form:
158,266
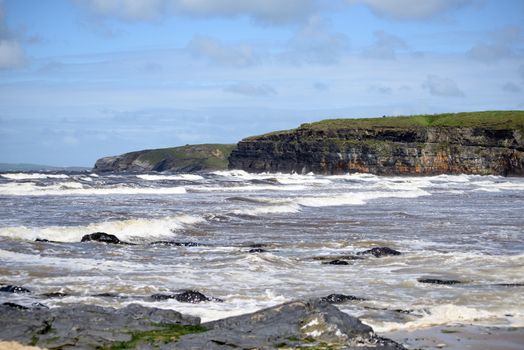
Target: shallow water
468,228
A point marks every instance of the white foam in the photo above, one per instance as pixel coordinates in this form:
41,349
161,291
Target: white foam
357,198
77,189
270,209
33,176
186,177
246,188
446,314
132,229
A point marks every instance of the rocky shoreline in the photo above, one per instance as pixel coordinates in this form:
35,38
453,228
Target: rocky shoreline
311,324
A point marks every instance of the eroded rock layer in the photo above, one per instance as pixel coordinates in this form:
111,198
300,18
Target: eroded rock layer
392,146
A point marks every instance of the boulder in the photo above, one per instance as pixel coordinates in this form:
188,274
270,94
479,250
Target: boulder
336,262
101,237
340,298
257,250
379,252
176,244
299,324
438,281
14,289
187,296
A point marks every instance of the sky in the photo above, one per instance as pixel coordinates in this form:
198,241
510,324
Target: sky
84,79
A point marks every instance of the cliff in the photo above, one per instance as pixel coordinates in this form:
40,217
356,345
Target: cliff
188,158
471,143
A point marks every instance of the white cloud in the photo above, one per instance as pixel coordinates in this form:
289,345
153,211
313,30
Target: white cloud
315,43
385,46
142,10
11,52
442,86
266,11
497,45
489,53
410,9
217,52
249,89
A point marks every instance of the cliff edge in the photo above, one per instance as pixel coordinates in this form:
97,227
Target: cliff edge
189,158
484,143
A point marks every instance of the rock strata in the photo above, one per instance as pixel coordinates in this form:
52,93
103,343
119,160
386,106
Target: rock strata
465,143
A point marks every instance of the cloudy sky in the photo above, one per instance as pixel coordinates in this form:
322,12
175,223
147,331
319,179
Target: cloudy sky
82,79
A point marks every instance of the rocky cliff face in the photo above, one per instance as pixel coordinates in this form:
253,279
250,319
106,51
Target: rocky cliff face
385,150
188,158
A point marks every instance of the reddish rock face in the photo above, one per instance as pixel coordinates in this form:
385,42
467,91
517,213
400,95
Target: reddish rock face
385,151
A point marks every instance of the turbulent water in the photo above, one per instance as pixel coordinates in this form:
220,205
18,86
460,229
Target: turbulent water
467,228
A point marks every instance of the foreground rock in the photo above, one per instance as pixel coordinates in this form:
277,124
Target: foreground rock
88,326
300,324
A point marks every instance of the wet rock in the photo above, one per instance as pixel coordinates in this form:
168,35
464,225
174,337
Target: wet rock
188,296
176,244
191,296
101,237
16,306
257,245
14,289
340,298
86,326
510,284
109,295
44,240
55,295
298,324
257,250
438,281
379,252
336,262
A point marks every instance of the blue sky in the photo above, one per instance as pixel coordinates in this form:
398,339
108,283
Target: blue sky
82,79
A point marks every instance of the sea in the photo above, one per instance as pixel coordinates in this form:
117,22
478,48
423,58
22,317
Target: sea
449,227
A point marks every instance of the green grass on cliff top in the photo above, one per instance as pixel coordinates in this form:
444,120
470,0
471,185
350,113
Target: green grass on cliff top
206,153
487,119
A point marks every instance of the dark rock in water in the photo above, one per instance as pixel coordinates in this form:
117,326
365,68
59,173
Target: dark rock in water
257,245
257,250
160,297
109,295
55,295
337,257
188,296
39,306
101,237
45,240
14,289
191,296
299,324
340,298
93,327
510,284
379,252
438,281
336,262
176,244
16,306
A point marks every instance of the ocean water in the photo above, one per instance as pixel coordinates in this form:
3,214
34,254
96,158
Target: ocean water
467,228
